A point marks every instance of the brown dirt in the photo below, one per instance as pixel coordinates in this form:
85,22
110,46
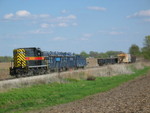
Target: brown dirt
4,70
131,97
91,62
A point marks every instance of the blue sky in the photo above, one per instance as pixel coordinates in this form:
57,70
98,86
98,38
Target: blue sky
73,25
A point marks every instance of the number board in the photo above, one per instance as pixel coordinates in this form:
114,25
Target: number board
57,59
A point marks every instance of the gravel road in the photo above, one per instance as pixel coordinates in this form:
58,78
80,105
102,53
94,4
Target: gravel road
131,97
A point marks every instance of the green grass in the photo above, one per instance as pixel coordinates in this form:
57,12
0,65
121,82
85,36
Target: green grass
39,96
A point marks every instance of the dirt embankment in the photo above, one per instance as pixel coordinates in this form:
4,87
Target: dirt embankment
4,70
131,97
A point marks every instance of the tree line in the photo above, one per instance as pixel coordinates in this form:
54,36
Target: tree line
141,52
5,59
134,50
95,54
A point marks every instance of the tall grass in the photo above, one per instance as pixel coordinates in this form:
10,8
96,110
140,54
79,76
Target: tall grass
39,96
109,70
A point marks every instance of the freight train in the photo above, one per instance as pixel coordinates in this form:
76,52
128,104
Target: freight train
34,61
121,58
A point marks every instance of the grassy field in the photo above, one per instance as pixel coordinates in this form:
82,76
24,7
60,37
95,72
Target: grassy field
4,70
39,96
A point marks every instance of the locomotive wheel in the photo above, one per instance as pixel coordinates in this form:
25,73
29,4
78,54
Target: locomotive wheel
30,72
18,73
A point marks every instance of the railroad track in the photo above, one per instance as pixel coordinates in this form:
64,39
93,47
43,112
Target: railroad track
11,78
49,73
7,79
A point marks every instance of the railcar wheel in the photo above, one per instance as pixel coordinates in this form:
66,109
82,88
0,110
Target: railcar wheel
18,75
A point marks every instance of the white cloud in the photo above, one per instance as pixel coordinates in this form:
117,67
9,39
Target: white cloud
87,35
61,21
62,25
142,13
147,20
8,16
74,24
84,39
43,15
96,8
22,13
40,16
44,25
115,33
59,39
69,17
111,32
40,31
44,20
64,11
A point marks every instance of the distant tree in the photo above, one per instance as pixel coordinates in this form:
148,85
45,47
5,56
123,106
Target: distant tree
147,42
103,55
146,48
113,53
134,50
84,54
94,54
145,53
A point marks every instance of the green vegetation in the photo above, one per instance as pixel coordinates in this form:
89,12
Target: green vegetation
5,59
40,96
134,50
146,48
143,52
100,55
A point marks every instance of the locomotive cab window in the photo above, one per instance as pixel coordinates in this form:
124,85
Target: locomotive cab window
39,53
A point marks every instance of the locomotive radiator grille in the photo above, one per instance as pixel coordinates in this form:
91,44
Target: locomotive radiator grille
19,58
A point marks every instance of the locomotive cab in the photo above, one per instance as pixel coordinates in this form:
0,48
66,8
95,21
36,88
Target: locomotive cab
26,61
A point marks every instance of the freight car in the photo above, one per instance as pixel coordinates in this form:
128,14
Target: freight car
126,58
106,61
34,61
121,58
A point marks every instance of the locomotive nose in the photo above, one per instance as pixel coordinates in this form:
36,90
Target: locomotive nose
19,58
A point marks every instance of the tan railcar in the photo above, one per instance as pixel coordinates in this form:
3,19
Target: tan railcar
124,58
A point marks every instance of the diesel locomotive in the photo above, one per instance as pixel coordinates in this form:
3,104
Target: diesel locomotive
34,61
